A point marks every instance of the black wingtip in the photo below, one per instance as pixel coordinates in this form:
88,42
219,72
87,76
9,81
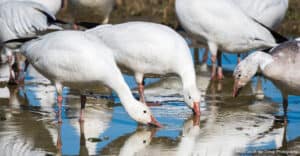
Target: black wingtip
87,25
278,37
20,40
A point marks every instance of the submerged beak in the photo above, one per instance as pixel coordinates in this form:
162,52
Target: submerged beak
196,120
154,122
196,108
236,88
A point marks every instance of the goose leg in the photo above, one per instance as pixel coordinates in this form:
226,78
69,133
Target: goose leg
214,67
285,107
220,70
22,79
196,55
59,89
140,81
239,58
205,56
141,92
106,19
75,26
83,101
12,75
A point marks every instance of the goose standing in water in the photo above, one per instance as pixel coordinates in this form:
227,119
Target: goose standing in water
19,19
281,66
147,49
223,25
81,61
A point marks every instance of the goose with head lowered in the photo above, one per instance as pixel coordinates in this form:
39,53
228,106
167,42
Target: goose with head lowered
81,61
223,25
281,67
147,49
20,19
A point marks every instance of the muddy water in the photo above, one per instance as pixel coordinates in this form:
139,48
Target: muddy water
247,125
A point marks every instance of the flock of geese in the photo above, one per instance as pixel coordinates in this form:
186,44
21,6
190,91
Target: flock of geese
88,59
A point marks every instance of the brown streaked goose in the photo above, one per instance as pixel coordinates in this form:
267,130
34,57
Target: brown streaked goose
281,67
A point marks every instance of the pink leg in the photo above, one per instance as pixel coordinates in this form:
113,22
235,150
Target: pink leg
141,92
142,96
205,56
220,70
239,58
59,102
75,26
83,101
214,67
220,73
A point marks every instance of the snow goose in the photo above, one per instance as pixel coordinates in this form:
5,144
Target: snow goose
19,19
52,5
281,66
96,9
224,26
81,61
268,12
152,49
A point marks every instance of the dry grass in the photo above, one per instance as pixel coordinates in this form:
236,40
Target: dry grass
162,11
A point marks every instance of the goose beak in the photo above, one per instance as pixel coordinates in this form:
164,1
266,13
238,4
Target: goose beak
196,108
154,122
236,88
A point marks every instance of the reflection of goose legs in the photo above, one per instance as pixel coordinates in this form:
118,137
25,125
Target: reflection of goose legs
83,101
59,89
285,103
83,148
259,93
59,142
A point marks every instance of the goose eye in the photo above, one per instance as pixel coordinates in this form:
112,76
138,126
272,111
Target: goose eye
145,111
144,141
190,97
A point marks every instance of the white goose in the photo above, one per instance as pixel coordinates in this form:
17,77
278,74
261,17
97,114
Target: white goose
268,12
152,49
224,26
52,5
281,66
81,61
19,19
100,9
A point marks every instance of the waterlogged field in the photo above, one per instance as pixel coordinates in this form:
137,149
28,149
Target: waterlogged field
228,126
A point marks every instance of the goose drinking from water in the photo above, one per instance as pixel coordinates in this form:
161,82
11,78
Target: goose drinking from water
152,49
81,61
281,67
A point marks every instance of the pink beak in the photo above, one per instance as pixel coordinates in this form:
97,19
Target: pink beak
196,108
154,122
236,89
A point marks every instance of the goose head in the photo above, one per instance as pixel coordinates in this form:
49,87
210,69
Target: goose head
192,99
141,113
247,68
243,73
